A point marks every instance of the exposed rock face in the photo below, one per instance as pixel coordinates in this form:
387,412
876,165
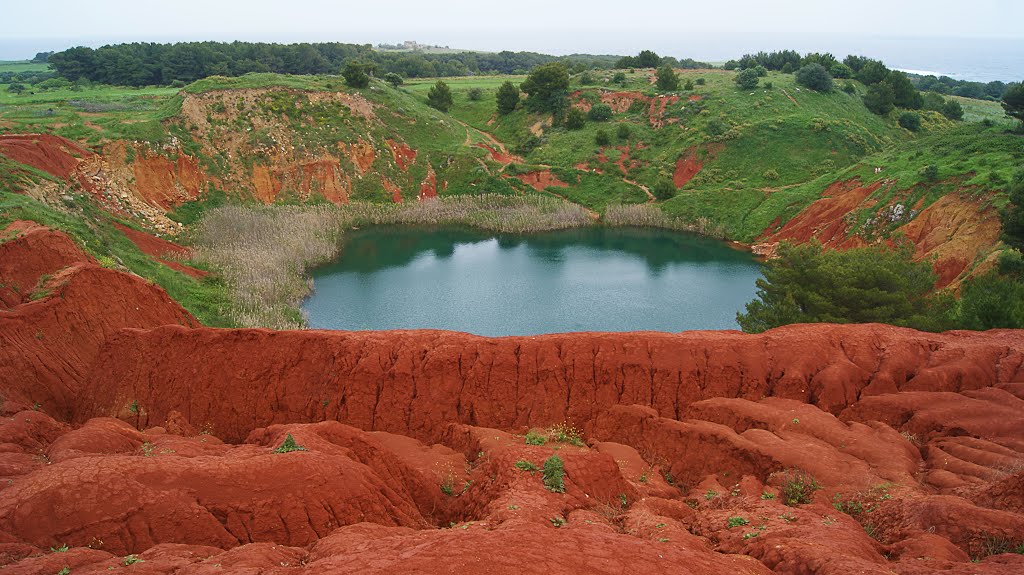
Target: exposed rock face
690,447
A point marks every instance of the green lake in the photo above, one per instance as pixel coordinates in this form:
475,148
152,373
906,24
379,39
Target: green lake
589,279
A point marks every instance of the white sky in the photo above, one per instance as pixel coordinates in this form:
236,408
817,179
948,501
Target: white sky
709,30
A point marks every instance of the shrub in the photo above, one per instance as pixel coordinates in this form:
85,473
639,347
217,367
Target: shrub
563,433
701,81
952,110
815,77
289,445
761,71
747,79
667,80
508,98
554,474
849,88
475,94
355,74
930,172
716,127
807,284
688,85
601,138
600,113
440,97
523,465
798,487
910,121
546,87
619,78
839,70
623,131
586,78
879,98
575,119
664,189
394,79
769,85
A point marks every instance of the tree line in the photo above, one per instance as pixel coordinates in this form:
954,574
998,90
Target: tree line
145,64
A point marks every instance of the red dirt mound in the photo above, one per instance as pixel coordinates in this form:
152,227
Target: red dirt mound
541,180
689,457
161,249
403,154
52,154
428,187
166,183
27,252
691,163
391,188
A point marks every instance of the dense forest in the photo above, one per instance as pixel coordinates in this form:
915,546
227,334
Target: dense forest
145,64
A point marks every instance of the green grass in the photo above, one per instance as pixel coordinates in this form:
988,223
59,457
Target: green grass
18,66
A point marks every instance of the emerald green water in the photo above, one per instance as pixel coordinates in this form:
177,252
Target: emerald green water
590,279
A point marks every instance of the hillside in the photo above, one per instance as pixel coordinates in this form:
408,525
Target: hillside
757,166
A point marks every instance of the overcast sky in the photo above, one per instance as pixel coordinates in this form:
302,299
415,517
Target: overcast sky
710,30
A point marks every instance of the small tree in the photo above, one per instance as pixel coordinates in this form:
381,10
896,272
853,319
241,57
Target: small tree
600,112
688,85
1013,102
575,119
879,98
701,81
647,59
619,78
394,79
508,98
547,88
601,138
475,94
440,97
668,80
1012,215
623,132
16,88
747,79
910,121
356,75
840,70
664,189
952,110
815,77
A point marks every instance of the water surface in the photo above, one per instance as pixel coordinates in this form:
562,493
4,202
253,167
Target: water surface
592,279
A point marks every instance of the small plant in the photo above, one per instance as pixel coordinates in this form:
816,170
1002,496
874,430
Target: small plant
659,526
710,494
623,501
147,449
736,522
448,486
131,560
798,487
767,496
643,478
64,571
523,465
750,535
535,438
787,517
557,522
828,520
663,540
513,507
563,433
133,407
289,445
669,478
62,549
554,474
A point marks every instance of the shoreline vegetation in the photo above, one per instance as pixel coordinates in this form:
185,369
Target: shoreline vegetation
265,253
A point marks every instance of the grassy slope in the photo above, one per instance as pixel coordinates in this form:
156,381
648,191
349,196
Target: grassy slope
782,146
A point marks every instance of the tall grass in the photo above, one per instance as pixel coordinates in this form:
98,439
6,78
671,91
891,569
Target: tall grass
650,216
264,252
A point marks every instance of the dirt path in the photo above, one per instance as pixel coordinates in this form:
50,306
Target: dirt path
790,97
650,197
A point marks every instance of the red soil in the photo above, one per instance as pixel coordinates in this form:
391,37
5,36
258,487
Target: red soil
52,154
164,183
428,187
391,188
541,180
498,156
403,154
161,249
363,155
956,230
683,432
